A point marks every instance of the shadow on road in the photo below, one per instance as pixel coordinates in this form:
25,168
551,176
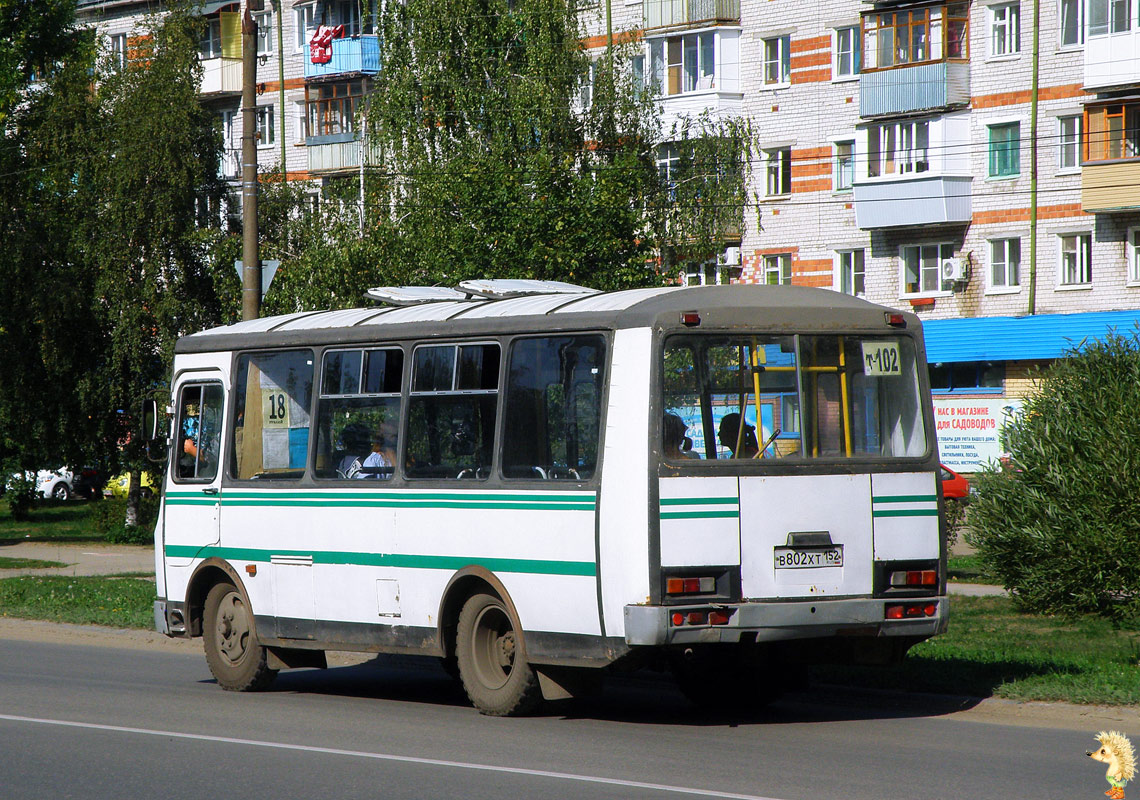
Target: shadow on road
641,698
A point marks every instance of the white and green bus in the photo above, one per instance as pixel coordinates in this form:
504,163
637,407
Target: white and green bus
538,483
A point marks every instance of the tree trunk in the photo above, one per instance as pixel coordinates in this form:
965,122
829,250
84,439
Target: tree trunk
133,494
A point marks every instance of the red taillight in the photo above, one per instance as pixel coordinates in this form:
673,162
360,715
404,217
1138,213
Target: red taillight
678,618
894,612
718,618
690,319
895,320
697,618
914,577
705,585
910,610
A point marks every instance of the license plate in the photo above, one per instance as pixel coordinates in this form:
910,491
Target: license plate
808,557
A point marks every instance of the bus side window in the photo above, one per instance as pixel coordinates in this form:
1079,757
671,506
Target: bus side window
199,432
451,411
553,404
358,414
272,395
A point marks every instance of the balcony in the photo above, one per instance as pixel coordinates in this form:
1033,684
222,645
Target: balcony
1112,59
357,55
690,13
338,153
229,165
221,76
909,202
922,87
1110,186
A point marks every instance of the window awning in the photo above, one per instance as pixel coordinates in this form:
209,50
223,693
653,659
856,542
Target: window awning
1029,338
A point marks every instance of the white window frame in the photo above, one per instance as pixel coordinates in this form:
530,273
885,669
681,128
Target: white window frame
1072,141
1079,7
304,22
1132,270
1081,264
1005,30
586,87
778,265
998,252
266,125
266,33
843,167
907,142
117,46
1115,17
852,55
850,271
776,53
300,119
778,171
940,251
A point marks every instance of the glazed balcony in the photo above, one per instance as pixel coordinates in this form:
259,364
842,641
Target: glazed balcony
920,87
221,76
910,202
350,56
338,153
690,13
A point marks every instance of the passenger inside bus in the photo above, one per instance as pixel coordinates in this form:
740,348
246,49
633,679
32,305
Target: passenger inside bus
380,461
736,440
677,444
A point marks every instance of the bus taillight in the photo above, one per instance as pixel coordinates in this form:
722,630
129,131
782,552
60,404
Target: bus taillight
704,585
914,578
910,610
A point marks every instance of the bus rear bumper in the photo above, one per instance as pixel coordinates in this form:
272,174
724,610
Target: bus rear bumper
782,620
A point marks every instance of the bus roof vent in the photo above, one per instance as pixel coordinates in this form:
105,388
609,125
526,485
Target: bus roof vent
499,289
414,295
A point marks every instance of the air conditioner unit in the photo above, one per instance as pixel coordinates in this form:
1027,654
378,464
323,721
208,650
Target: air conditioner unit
731,257
953,270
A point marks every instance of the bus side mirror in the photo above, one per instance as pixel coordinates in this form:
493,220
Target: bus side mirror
154,437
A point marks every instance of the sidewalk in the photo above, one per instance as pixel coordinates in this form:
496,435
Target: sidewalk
91,558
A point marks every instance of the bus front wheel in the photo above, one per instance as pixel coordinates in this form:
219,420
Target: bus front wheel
233,653
492,664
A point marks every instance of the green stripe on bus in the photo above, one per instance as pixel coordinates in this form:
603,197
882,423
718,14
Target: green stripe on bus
459,500
699,501
904,498
321,502
402,560
912,512
700,514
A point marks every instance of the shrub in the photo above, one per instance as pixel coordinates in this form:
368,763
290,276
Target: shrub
955,510
1060,523
107,519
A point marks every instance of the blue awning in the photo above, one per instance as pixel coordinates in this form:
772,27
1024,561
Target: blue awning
1030,338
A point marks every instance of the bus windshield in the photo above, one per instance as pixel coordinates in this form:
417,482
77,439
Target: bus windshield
799,397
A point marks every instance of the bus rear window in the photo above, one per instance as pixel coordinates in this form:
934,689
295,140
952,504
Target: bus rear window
779,397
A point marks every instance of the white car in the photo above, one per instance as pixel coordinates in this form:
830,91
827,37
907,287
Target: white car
58,484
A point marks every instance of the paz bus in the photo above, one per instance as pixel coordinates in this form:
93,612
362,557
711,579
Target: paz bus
538,483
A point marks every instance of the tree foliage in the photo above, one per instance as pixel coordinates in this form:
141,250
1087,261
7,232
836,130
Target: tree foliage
1060,525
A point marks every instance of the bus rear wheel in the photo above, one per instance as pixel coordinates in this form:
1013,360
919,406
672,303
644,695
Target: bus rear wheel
492,664
233,653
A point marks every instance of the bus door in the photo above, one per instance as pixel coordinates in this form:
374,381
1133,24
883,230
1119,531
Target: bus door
193,485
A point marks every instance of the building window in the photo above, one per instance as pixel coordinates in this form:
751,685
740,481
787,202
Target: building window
777,60
898,148
586,87
844,166
1072,25
1076,259
1005,263
118,45
847,52
966,376
915,36
1109,16
265,127
637,72
779,170
683,63
1005,29
922,267
1069,142
1005,150
209,47
332,107
1134,255
852,275
305,22
1112,132
709,273
266,33
778,269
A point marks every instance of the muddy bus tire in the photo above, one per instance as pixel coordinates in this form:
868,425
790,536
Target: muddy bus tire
233,653
492,661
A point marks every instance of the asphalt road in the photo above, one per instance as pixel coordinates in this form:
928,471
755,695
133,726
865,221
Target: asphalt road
83,721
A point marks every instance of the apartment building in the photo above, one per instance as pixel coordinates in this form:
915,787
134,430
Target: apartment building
894,161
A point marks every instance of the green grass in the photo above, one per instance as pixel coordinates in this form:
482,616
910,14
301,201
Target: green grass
992,649
50,521
28,563
115,601
969,569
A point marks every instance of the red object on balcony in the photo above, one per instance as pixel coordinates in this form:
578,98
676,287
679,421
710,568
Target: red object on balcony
916,302
320,45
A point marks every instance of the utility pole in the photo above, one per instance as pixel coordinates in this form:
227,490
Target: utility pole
251,264
1034,100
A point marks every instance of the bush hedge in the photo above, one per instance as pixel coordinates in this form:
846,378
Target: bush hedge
108,518
1059,524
